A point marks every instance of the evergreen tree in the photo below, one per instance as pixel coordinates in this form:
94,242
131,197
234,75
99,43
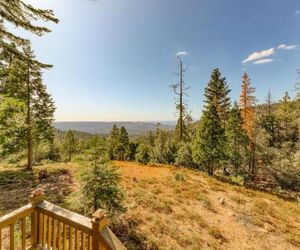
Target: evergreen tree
209,143
69,144
164,149
101,182
122,144
217,91
12,126
113,142
23,81
237,140
286,116
184,155
268,121
21,14
142,152
247,107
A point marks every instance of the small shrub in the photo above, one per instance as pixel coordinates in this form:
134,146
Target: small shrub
239,180
179,177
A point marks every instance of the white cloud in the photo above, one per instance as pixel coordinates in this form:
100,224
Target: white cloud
181,53
287,47
259,55
297,12
263,61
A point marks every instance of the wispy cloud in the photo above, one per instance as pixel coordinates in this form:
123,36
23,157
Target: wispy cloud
181,53
263,56
263,61
259,55
297,12
287,47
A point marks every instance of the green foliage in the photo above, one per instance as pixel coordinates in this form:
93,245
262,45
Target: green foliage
47,151
122,144
209,143
131,151
286,117
142,152
164,148
69,145
217,92
237,140
12,126
101,189
184,156
239,180
179,177
24,15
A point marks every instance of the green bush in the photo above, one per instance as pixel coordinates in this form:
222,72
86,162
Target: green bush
239,180
179,177
101,189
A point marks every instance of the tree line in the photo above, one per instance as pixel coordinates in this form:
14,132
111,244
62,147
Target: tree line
243,140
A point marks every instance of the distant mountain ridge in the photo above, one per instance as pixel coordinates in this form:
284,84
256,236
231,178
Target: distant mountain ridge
103,128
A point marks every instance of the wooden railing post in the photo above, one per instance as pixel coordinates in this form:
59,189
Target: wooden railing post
37,196
99,221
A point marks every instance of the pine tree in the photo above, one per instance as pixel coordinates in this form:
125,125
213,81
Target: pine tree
237,140
209,143
122,144
218,91
268,121
101,182
286,116
69,144
12,126
21,14
113,142
142,152
247,107
23,81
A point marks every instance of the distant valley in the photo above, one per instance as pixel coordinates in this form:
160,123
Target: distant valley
103,128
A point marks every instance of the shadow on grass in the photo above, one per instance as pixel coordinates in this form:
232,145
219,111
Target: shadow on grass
16,185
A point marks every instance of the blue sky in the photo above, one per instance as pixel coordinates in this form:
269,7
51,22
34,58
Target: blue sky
114,59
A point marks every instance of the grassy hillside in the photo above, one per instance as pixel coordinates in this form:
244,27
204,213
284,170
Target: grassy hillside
174,208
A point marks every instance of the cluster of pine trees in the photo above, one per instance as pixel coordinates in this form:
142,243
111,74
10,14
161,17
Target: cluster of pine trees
243,140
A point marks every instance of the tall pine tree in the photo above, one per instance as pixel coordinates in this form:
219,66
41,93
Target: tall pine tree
218,91
210,141
23,81
247,107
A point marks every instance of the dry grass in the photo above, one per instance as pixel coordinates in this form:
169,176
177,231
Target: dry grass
174,208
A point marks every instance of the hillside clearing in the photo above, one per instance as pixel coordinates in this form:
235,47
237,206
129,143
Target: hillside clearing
173,208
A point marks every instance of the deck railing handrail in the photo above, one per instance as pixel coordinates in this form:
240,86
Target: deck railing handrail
53,227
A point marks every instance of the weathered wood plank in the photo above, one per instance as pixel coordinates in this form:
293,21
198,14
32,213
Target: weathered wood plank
63,215
64,237
23,232
59,235
18,214
12,236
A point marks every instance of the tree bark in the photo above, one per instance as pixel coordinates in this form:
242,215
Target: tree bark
28,122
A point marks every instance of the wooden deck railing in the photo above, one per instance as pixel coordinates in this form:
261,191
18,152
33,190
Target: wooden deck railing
43,225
